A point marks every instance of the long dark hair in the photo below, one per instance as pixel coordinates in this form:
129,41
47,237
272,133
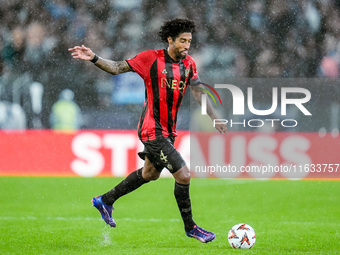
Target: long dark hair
174,27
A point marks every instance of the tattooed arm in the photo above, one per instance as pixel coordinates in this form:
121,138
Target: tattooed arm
112,67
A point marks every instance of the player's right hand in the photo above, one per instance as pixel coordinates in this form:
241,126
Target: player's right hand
82,52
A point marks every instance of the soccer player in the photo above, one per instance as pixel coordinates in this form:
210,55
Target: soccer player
167,73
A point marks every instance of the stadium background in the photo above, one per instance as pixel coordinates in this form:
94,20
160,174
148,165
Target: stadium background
252,41
235,39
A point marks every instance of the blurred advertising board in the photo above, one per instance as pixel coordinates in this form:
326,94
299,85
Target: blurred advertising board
114,153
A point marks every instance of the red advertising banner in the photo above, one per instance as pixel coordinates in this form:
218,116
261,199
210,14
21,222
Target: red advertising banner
265,155
114,153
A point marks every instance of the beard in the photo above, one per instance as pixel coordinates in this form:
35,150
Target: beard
180,55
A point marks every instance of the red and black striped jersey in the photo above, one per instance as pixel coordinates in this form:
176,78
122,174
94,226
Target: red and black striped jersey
166,82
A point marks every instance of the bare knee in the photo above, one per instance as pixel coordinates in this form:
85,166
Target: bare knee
184,179
149,172
182,176
150,175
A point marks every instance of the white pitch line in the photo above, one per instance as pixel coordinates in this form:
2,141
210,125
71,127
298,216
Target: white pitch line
32,218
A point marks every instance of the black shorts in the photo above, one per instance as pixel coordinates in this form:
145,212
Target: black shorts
163,154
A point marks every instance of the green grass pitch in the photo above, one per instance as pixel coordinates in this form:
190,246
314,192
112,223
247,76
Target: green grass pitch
55,216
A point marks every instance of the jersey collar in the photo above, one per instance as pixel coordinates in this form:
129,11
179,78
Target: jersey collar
170,59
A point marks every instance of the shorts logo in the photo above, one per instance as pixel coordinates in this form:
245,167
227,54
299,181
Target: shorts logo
163,157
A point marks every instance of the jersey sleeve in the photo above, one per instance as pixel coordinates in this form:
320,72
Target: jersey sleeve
142,62
194,78
195,82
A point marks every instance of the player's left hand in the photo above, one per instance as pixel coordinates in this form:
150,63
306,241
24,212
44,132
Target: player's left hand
222,128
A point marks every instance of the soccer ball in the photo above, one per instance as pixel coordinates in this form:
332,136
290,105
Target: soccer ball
241,236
